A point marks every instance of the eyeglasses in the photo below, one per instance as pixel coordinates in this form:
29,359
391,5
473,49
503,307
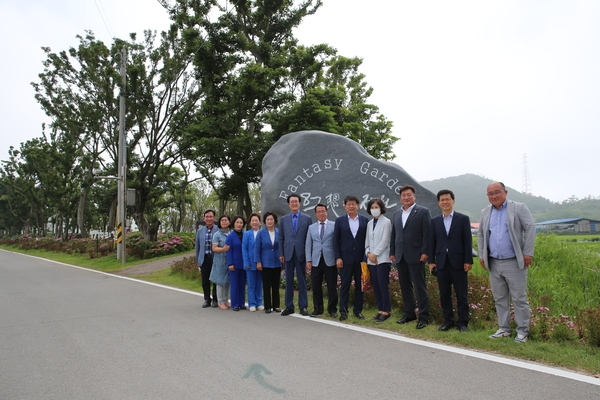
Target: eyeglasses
496,193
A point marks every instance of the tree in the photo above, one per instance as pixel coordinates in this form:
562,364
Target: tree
259,83
79,89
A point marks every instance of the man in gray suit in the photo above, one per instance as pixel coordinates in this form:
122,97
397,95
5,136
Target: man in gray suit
506,240
320,262
409,247
293,229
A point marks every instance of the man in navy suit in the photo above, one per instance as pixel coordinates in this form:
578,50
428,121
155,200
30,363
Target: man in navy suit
450,252
293,229
349,247
320,262
409,247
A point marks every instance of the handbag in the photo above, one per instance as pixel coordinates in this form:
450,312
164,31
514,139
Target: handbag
365,277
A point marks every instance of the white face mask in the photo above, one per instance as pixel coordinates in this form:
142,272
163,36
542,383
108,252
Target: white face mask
375,212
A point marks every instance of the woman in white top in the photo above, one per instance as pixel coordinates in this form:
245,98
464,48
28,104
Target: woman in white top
377,249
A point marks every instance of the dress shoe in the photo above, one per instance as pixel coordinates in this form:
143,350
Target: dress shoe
243,308
333,314
405,320
463,329
343,317
383,317
359,315
287,311
268,311
236,309
315,314
304,312
421,324
215,304
277,309
206,304
377,316
445,327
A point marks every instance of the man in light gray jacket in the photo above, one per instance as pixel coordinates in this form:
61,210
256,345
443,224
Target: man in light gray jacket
320,262
506,240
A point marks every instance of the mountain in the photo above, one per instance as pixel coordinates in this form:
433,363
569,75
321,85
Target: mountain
471,198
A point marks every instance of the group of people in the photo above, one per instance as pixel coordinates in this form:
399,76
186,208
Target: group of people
231,258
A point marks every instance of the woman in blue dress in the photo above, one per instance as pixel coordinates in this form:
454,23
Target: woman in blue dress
220,273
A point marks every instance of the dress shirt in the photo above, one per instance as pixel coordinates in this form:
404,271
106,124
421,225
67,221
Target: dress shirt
208,241
448,221
354,225
500,245
406,213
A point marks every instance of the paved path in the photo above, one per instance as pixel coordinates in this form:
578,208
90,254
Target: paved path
72,333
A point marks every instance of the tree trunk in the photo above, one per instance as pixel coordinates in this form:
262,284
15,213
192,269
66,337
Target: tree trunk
81,212
149,229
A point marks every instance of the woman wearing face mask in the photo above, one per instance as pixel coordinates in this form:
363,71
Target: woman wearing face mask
219,273
235,261
377,249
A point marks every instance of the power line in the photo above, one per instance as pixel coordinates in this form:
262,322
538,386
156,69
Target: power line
104,18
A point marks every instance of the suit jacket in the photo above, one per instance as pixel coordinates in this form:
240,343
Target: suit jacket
315,246
347,247
378,240
412,240
521,230
248,245
234,254
201,242
456,244
290,241
265,251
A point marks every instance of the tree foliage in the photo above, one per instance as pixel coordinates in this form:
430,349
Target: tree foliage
260,84
208,97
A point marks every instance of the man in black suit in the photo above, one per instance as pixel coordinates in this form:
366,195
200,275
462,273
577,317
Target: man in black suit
409,247
349,236
450,252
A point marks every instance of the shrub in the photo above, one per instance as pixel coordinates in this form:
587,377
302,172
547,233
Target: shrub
188,268
588,326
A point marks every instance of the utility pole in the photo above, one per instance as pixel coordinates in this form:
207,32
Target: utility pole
122,164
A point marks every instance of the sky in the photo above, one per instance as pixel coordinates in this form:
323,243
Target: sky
470,86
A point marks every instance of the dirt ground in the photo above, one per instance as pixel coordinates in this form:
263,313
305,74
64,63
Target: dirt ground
152,265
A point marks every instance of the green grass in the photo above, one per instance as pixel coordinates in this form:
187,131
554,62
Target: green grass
169,278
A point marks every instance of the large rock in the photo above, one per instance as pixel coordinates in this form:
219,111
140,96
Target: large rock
324,168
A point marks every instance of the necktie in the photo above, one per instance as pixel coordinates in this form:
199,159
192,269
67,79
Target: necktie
295,222
322,232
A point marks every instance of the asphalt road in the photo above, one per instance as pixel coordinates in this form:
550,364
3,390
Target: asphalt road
70,333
